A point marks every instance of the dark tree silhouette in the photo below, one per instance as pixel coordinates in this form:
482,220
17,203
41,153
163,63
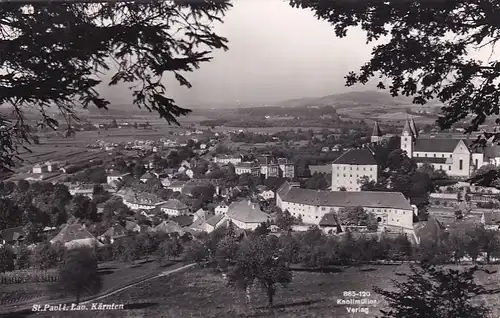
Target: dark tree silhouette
52,54
434,292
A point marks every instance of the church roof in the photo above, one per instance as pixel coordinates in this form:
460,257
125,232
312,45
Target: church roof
356,157
442,145
376,130
407,128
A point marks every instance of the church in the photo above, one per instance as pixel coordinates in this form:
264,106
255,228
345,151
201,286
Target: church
457,157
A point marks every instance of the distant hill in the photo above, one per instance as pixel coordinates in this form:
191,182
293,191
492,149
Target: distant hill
368,97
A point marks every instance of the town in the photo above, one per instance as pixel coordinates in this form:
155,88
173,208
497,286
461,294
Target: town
174,199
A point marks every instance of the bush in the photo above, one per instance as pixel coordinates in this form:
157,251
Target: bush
7,259
29,276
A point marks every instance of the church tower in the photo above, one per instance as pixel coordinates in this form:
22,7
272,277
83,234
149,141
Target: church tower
377,135
408,138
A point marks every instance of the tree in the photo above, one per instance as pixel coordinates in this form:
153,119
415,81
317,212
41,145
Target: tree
81,207
262,229
435,292
46,255
169,248
285,220
79,273
197,252
260,259
90,38
357,216
7,259
457,243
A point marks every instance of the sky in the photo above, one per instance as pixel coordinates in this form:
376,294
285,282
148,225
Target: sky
276,53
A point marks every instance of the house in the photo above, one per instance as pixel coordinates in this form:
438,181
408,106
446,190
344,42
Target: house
265,192
221,208
147,176
82,189
176,186
113,233
246,215
173,207
287,169
391,209
166,182
52,166
227,159
115,176
75,235
12,235
349,169
202,215
377,136
458,157
39,168
214,222
168,227
271,170
431,230
247,167
329,223
132,226
491,220
144,201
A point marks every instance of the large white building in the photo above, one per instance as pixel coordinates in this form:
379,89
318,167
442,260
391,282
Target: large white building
392,209
351,167
457,157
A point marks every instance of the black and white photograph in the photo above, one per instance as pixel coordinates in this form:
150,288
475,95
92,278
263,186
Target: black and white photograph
250,158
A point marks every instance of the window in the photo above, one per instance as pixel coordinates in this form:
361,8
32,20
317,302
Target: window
450,155
350,168
417,154
357,168
406,139
449,167
461,164
441,167
425,155
364,168
477,163
434,155
442,155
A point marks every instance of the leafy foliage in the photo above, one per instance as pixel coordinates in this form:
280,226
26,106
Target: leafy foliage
434,292
53,55
79,273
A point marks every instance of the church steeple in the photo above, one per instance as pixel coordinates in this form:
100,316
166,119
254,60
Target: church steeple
413,128
407,129
376,133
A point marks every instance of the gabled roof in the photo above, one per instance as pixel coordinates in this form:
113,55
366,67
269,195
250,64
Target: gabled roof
202,214
73,232
13,234
148,175
366,199
168,227
173,204
183,220
356,157
214,220
431,229
116,231
247,212
376,130
442,145
329,219
131,226
491,218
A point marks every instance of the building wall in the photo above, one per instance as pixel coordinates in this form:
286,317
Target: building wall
312,214
174,212
348,176
407,144
243,225
461,161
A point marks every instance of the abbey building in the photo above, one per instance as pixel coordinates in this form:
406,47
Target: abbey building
457,157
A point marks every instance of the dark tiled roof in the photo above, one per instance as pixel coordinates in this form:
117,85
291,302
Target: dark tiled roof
367,199
431,229
329,219
183,220
214,219
356,157
430,159
442,145
13,234
173,204
115,231
72,232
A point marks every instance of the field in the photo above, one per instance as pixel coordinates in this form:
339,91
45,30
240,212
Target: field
202,293
114,275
